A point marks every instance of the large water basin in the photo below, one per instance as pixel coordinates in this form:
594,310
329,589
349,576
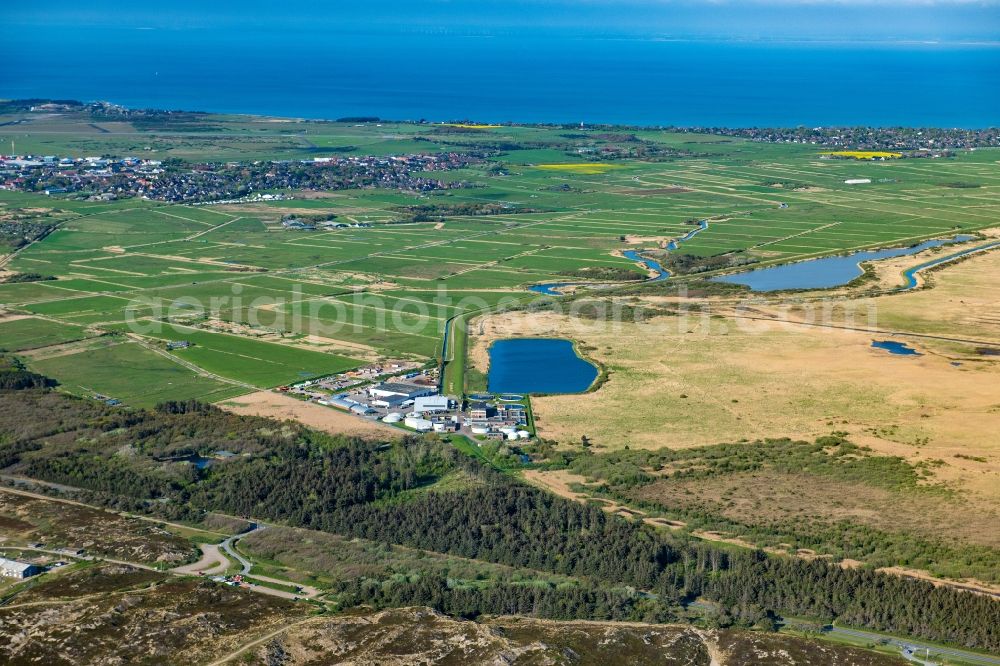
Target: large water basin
826,272
538,365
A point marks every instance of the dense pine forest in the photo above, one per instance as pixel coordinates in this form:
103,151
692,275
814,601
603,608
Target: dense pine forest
392,492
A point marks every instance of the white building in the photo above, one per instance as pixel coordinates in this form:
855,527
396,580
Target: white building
432,403
15,569
418,424
407,391
391,402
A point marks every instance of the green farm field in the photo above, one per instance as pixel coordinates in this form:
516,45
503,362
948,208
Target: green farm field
30,333
262,364
133,374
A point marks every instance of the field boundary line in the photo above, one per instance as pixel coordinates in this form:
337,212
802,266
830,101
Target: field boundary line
877,331
181,217
198,370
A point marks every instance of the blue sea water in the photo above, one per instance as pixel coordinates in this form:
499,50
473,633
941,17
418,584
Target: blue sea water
538,365
534,78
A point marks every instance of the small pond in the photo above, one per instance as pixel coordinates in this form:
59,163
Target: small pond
198,461
893,347
825,272
538,365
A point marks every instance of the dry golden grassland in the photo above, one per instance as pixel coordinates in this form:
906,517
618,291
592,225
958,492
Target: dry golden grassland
328,419
722,381
681,382
768,496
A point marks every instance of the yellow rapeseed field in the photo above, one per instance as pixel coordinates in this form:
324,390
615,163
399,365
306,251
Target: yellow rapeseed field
864,154
587,168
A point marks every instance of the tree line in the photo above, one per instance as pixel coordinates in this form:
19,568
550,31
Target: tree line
387,492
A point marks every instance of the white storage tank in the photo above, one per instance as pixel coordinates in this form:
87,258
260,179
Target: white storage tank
523,434
395,417
479,429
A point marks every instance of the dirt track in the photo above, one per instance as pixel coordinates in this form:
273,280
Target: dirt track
212,562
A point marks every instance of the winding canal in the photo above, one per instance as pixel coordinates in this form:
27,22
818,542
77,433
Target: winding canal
552,288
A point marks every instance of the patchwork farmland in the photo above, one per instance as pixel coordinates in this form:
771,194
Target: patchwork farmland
264,303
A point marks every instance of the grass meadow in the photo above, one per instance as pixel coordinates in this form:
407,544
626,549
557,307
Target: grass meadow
30,333
133,374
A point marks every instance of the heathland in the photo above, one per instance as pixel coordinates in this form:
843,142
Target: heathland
382,524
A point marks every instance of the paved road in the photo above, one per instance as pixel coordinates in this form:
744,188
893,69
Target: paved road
227,546
89,558
262,589
911,649
70,489
212,562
